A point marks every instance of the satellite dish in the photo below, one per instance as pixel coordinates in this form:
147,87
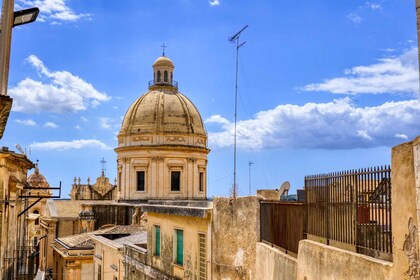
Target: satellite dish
284,188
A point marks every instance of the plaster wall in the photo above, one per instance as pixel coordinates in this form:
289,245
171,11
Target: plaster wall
111,262
272,263
70,268
191,226
319,261
235,231
405,207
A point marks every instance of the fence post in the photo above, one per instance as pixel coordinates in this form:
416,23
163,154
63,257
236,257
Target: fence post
354,202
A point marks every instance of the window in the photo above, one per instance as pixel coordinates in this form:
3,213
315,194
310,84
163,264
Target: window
157,241
119,181
175,181
140,180
158,76
37,218
99,272
201,182
165,76
179,247
202,256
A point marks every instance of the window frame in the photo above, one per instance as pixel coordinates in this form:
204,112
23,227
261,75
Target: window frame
176,247
137,180
172,172
157,249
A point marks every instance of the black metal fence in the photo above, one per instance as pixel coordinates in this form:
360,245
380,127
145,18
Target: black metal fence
352,207
282,224
23,265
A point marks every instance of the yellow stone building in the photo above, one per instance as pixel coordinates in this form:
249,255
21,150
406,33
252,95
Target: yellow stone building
162,145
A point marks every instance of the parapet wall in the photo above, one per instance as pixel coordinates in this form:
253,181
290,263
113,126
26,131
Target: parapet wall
273,264
320,261
235,231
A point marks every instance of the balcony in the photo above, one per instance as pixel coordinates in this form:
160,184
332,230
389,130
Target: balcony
172,83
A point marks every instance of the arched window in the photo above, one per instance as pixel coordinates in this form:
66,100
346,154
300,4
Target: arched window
165,76
172,77
158,76
37,219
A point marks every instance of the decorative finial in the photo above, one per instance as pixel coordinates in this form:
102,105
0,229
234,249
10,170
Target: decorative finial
163,49
36,167
75,180
78,180
88,180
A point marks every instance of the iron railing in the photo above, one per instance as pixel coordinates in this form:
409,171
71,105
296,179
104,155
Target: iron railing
161,83
352,207
282,224
23,265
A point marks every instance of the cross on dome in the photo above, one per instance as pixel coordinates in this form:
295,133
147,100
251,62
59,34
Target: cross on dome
163,49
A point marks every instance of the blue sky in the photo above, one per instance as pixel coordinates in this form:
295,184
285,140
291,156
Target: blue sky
323,85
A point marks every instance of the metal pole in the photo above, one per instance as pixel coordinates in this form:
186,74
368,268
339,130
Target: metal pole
236,115
249,164
5,40
236,38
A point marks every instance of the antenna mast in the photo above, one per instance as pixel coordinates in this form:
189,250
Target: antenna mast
249,164
238,45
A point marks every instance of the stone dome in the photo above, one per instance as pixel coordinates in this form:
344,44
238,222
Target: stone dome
163,61
37,180
162,111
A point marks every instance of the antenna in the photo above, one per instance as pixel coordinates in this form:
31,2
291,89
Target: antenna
231,39
20,149
249,164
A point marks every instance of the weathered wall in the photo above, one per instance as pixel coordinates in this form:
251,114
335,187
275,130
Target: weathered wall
235,231
269,194
111,260
273,264
404,212
319,261
191,226
113,214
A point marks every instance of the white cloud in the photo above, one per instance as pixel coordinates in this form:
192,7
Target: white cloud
105,123
27,122
214,2
394,75
50,125
77,127
217,119
374,6
354,18
84,119
70,145
53,11
62,93
334,125
401,136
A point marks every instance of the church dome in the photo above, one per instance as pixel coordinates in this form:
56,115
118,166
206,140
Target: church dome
163,61
163,111
37,180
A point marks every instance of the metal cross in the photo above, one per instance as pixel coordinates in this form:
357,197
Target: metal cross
163,48
103,161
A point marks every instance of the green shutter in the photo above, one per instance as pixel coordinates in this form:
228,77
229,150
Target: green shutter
179,247
157,241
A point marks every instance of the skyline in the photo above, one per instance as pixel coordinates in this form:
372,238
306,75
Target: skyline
323,87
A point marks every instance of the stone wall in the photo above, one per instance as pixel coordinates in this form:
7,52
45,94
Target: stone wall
320,261
405,206
235,231
272,263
